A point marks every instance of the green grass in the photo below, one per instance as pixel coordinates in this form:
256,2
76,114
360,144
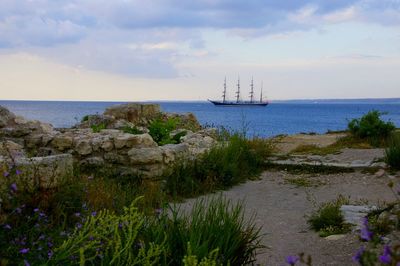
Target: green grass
221,167
132,130
328,219
98,128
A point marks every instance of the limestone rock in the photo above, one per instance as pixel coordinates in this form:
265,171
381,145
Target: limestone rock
126,140
5,116
172,152
62,142
354,214
92,161
146,155
83,147
9,148
46,172
134,112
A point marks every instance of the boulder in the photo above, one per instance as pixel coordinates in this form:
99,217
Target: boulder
45,172
126,140
172,152
11,149
137,113
139,156
83,147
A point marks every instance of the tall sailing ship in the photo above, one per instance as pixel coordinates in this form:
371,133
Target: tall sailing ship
239,102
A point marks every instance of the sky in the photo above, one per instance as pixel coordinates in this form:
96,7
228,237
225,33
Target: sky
133,50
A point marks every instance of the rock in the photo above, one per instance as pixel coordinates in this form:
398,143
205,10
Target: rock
92,161
172,152
354,214
107,145
380,173
45,172
33,140
62,142
11,149
5,117
83,147
334,237
134,112
126,140
145,155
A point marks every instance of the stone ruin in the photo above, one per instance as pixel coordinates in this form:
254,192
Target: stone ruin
39,147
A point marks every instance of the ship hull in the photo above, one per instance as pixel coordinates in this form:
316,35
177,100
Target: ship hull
230,104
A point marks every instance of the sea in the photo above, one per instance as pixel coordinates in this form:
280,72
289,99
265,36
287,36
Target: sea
279,117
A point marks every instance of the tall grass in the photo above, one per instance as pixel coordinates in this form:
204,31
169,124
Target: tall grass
392,153
214,224
223,166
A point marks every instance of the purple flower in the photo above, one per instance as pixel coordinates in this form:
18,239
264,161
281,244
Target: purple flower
13,187
358,255
77,214
41,237
24,250
42,214
78,225
366,234
36,209
49,244
26,263
5,174
7,226
18,172
18,210
94,213
50,254
385,258
291,260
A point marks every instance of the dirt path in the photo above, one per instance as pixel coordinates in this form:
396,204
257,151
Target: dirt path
281,210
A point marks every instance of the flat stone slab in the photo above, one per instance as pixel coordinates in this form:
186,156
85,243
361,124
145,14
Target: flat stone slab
354,214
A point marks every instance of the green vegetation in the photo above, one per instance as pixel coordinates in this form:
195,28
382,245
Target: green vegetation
85,118
132,130
98,127
221,167
372,128
392,153
328,219
160,130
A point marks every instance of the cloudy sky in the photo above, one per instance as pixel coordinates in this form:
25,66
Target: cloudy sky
182,50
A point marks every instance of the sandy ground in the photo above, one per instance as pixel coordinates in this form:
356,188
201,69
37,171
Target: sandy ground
281,211
286,144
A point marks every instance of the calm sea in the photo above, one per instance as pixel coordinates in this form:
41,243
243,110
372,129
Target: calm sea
278,118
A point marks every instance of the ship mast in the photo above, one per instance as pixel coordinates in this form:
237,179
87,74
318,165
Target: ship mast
252,90
238,91
261,98
224,92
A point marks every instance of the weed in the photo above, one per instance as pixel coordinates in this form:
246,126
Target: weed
328,219
160,131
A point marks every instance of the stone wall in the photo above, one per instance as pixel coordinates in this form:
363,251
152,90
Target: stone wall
111,148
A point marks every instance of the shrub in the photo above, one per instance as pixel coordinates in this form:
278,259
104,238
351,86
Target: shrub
214,224
160,131
328,219
392,153
371,127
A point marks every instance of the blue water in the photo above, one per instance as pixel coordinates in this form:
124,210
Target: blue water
277,118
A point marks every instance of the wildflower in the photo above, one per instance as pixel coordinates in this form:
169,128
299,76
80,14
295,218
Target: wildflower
36,210
26,263
24,250
18,172
42,214
291,260
5,174
94,213
366,234
358,255
13,187
50,254
49,244
7,226
77,214
78,225
18,210
385,258
41,237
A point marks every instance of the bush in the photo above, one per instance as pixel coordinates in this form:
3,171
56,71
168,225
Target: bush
214,224
392,153
221,167
160,131
98,127
328,219
371,127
